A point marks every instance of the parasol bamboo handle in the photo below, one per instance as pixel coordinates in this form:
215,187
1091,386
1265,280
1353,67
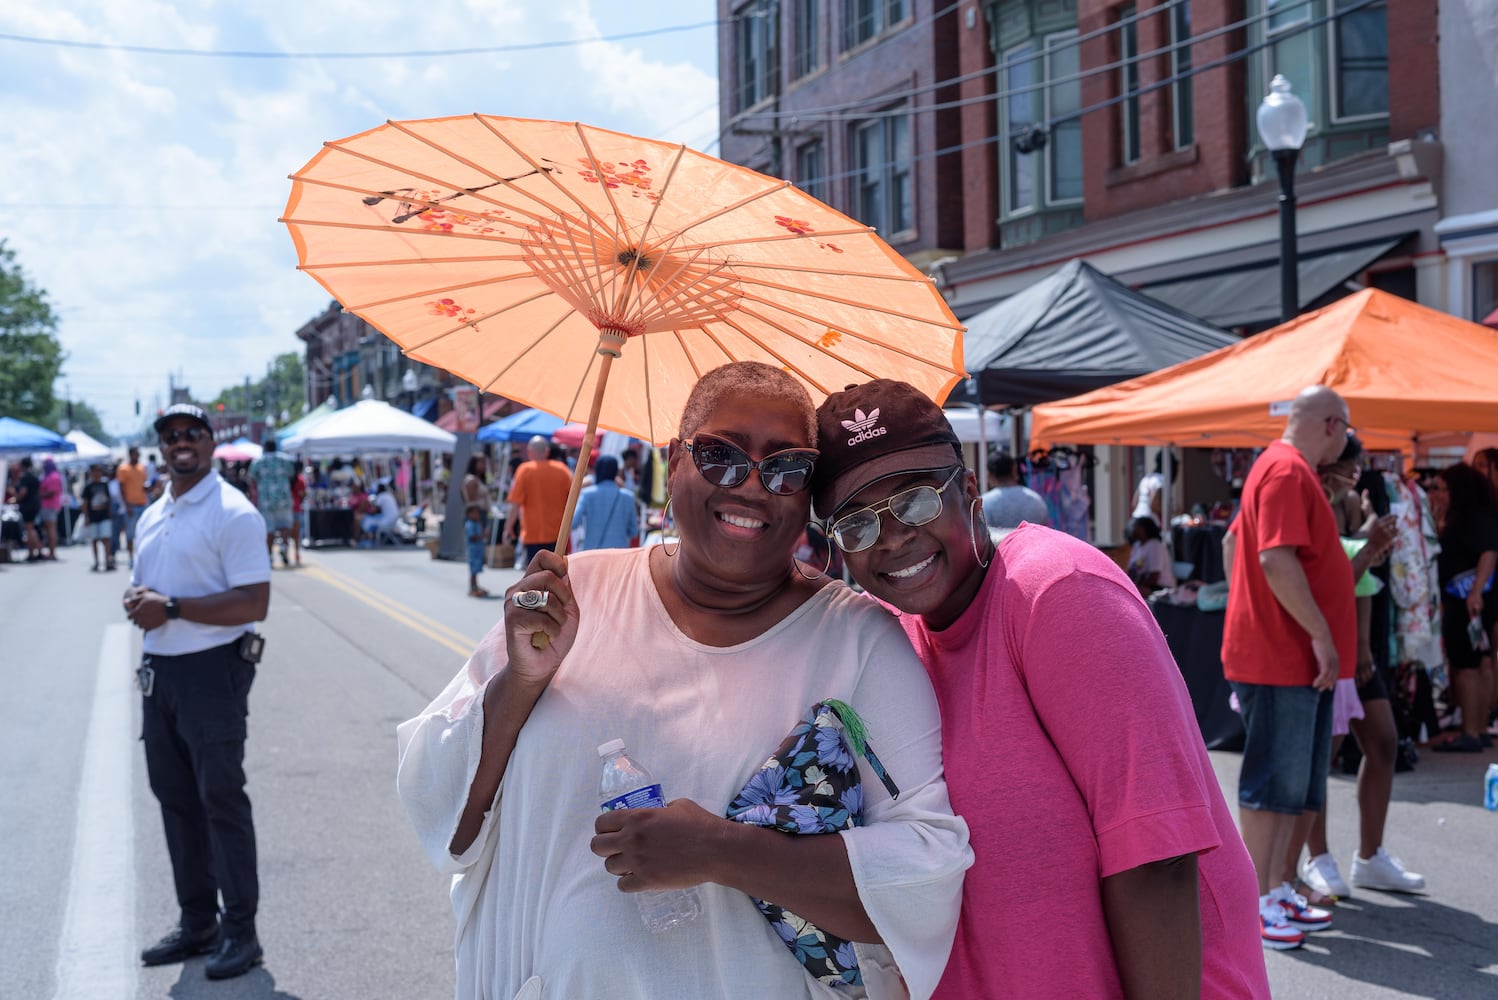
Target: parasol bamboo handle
540,640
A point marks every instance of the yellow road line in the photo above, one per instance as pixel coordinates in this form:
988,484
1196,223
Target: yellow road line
396,612
395,605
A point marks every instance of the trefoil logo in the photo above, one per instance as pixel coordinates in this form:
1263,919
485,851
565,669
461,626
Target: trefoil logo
863,426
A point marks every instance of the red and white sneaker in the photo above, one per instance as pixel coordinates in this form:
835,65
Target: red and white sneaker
1274,927
1298,911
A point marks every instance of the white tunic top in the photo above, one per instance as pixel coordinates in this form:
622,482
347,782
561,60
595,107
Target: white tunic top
532,902
209,540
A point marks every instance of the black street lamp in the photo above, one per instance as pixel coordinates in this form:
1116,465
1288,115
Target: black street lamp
1282,127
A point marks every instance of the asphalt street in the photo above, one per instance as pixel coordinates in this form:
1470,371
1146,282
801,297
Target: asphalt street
359,640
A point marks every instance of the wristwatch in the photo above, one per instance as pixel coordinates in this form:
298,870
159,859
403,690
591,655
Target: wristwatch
173,609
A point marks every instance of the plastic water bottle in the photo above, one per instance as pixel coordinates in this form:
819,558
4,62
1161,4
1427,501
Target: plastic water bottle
1490,788
627,785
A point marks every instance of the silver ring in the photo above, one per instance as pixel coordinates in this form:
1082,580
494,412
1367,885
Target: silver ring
531,600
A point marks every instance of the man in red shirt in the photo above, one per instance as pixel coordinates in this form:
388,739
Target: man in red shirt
1291,627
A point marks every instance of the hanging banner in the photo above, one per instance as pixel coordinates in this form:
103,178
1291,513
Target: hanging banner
466,406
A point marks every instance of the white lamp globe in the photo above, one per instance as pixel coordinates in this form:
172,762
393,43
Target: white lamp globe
1282,117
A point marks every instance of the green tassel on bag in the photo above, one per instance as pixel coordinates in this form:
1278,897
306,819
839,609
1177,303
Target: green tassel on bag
858,738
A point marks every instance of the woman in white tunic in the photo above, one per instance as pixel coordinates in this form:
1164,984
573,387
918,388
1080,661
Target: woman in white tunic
500,774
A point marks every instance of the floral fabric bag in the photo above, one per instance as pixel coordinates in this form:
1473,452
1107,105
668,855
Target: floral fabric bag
811,785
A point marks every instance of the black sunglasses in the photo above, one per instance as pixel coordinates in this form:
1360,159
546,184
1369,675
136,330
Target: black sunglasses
726,465
193,434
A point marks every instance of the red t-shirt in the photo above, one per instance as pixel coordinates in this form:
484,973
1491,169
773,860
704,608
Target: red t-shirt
1283,504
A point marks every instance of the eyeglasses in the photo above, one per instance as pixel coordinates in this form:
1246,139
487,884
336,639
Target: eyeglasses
726,465
193,434
1351,430
913,507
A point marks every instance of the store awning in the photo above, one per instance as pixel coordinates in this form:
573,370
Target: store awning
1251,295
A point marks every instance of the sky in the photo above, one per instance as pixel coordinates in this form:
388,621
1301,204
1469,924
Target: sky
141,190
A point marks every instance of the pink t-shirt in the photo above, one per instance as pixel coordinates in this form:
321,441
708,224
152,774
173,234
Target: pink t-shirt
1072,751
51,491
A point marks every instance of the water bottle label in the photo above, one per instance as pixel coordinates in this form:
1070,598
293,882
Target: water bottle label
649,797
1490,799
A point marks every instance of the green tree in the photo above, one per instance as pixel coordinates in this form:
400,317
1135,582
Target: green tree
280,390
30,355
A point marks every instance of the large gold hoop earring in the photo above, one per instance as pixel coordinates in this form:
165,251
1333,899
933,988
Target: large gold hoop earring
796,563
666,519
977,507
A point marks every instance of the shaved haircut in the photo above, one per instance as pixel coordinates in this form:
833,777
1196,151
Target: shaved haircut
746,378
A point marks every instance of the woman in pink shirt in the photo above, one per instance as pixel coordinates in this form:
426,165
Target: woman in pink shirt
51,495
1107,862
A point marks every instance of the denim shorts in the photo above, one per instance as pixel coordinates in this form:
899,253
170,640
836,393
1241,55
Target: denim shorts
1286,747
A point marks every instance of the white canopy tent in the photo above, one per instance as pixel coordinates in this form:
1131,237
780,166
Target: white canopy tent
88,450
369,427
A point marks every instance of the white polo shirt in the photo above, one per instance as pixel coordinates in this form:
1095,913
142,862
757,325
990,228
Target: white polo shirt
209,540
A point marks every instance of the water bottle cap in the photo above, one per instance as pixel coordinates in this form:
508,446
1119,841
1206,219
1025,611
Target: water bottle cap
612,746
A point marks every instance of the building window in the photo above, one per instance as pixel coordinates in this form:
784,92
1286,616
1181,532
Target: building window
1042,88
1360,61
1182,107
1340,71
807,41
811,169
757,53
881,165
1128,53
865,19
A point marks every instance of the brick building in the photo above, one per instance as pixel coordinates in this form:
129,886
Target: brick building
1128,138
1021,134
345,356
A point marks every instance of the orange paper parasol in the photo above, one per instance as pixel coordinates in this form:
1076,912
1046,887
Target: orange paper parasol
540,260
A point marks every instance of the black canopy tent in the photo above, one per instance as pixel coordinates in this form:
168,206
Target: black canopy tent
1075,331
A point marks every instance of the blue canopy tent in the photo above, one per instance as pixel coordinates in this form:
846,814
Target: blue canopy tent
17,437
520,426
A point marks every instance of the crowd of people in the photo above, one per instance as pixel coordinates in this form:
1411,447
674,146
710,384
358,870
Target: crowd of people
948,640
100,504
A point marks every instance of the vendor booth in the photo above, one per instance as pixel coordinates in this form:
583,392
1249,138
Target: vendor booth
367,428
1408,373
1071,332
19,439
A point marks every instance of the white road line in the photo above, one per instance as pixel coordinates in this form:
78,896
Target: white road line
96,954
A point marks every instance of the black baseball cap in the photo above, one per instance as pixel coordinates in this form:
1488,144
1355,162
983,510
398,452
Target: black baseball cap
182,410
876,430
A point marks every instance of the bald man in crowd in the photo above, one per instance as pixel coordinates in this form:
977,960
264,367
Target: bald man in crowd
538,496
1291,625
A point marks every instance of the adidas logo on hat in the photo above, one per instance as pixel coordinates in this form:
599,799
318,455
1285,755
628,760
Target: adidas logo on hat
863,426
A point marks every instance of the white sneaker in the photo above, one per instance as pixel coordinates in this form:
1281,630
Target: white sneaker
1274,927
1321,874
1384,871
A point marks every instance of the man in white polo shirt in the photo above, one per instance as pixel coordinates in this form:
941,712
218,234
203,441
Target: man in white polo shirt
200,582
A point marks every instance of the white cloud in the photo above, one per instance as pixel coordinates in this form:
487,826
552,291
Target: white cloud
142,191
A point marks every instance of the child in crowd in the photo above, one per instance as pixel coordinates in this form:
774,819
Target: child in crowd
473,531
96,512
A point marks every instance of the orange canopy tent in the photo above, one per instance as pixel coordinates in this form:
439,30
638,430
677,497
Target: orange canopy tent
1406,371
